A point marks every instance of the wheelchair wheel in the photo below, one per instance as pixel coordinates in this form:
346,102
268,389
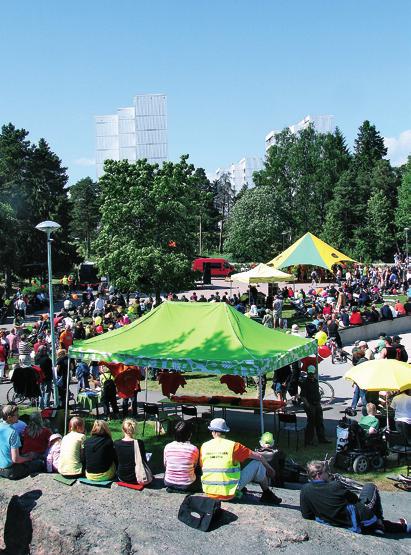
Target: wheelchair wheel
14,398
377,462
360,464
326,392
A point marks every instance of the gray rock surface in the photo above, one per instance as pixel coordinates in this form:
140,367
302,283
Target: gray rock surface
82,520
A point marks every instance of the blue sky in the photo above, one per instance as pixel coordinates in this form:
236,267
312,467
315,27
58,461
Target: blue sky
232,70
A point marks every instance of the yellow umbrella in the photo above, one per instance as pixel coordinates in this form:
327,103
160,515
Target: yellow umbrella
381,375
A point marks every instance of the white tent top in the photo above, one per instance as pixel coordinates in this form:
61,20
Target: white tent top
262,274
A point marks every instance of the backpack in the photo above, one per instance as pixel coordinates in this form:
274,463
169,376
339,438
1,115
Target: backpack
199,512
401,354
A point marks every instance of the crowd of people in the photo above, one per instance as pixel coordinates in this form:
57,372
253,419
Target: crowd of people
217,468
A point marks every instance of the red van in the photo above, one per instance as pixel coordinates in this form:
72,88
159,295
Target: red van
219,267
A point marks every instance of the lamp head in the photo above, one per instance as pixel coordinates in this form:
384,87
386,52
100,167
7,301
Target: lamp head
48,226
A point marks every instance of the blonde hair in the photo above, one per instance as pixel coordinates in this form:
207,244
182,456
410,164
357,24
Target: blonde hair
371,409
35,425
129,426
100,428
76,424
9,410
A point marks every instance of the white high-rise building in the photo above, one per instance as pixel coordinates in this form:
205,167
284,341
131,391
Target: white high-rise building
139,131
241,174
322,124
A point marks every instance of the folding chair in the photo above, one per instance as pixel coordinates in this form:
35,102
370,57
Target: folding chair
190,411
153,410
288,423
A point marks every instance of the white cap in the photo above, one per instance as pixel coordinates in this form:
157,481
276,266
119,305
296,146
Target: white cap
218,425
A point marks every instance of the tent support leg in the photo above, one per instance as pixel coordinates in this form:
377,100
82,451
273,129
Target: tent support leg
146,372
260,383
67,396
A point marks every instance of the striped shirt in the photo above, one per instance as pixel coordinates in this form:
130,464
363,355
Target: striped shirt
180,460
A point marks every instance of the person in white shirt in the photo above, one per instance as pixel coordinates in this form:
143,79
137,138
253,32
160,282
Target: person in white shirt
68,305
402,405
99,305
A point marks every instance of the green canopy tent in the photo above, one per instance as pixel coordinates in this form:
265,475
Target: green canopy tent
194,337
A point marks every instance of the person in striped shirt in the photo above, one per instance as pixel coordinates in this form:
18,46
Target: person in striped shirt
180,460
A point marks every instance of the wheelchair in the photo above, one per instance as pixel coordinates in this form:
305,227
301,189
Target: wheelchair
356,450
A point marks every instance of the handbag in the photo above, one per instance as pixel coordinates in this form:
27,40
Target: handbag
143,473
199,512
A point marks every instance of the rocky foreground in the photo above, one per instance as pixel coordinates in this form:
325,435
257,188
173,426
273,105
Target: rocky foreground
43,517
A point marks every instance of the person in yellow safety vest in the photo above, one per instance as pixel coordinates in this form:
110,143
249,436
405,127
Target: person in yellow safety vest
222,476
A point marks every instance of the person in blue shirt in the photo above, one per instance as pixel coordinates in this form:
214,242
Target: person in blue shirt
12,464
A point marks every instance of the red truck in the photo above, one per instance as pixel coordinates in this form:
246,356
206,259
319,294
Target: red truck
219,267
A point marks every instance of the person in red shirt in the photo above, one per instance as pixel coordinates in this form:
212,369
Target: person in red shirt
66,338
35,436
327,310
356,318
400,308
3,360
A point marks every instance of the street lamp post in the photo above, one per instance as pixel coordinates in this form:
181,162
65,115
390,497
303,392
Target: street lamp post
49,227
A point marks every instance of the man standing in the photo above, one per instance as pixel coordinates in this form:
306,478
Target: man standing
310,395
222,476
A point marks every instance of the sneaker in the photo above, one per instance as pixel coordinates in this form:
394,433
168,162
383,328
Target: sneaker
407,527
270,497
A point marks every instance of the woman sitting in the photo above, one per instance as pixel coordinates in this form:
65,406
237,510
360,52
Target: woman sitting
180,460
131,456
99,454
356,317
72,450
35,436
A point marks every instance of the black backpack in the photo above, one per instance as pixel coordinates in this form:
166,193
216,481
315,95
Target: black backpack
199,512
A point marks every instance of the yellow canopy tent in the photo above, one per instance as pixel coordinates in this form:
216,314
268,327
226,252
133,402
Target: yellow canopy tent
311,251
262,274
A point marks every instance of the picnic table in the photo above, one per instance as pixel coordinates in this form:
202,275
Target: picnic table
270,406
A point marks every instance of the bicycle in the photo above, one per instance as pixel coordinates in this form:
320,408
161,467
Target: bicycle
337,354
14,398
326,392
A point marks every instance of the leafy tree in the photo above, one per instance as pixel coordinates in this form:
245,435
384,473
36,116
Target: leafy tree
254,229
369,146
85,215
8,225
224,195
148,233
403,212
372,238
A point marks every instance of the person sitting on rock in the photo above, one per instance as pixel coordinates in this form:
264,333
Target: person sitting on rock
36,436
180,460
99,454
72,450
220,461
330,502
13,465
127,454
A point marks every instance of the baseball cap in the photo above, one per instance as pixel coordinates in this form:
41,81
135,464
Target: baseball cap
218,425
311,369
362,344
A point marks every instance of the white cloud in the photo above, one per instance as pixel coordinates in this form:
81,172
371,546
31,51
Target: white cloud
399,148
85,162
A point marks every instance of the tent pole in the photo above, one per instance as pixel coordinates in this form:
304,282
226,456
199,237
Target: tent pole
260,383
386,409
146,373
67,395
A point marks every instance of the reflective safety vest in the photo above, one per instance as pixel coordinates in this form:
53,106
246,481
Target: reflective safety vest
220,474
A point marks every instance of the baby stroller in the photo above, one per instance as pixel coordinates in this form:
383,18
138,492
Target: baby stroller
357,451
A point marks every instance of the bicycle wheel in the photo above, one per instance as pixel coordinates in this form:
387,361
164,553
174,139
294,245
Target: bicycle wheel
326,392
13,397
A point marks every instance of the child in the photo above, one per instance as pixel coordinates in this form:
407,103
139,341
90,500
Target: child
53,453
275,457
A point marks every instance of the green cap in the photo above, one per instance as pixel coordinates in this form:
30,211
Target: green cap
267,439
311,369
